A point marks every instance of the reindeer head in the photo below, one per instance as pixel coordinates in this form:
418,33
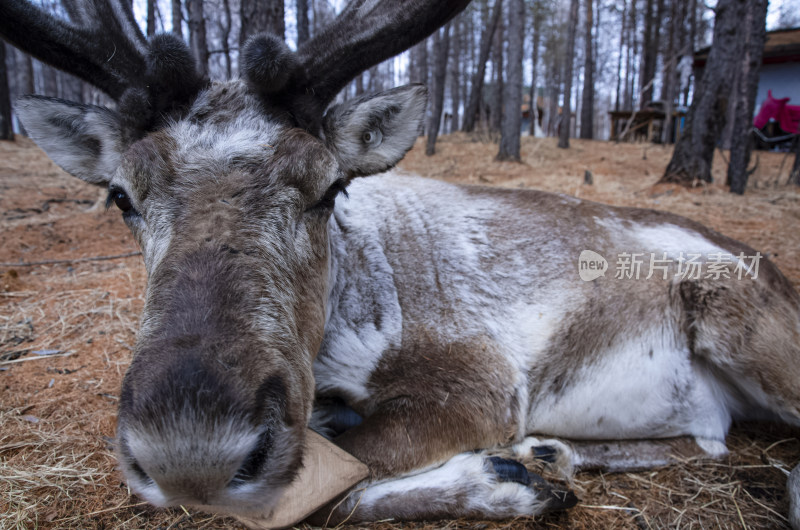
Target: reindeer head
228,189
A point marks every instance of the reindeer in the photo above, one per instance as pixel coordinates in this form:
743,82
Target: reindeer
442,331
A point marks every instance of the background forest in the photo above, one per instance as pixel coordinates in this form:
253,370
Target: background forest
505,67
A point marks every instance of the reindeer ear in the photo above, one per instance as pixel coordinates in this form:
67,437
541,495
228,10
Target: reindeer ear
82,139
373,133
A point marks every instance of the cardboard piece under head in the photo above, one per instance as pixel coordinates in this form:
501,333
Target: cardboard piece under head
327,472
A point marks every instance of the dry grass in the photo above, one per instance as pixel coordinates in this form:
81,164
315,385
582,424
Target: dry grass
57,411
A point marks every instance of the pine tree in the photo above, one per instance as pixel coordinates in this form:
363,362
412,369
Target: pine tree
694,152
512,98
569,59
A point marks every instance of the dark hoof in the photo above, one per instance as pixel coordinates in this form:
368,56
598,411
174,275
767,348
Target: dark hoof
561,499
510,470
554,497
545,453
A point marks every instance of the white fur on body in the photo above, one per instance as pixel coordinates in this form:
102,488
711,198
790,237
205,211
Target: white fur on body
516,291
623,393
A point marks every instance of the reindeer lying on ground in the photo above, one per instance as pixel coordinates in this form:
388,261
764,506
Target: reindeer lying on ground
440,325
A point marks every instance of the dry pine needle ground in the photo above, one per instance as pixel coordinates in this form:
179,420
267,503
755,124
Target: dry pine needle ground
57,410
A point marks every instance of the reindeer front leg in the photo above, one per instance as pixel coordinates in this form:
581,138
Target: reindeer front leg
407,434
470,485
424,466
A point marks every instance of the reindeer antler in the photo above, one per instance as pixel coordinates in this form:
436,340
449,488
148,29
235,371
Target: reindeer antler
366,33
103,45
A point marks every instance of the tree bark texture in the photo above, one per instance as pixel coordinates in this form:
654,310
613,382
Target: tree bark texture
151,18
569,59
694,152
419,63
536,24
197,35
441,43
669,82
6,130
471,112
177,18
303,33
650,47
225,24
512,117
259,16
498,53
587,105
744,100
456,40
621,54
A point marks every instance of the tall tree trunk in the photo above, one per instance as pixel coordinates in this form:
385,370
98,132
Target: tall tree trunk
25,81
692,41
669,81
261,15
11,68
6,129
71,87
419,63
225,35
455,73
569,59
512,118
650,48
441,43
587,106
177,18
151,18
359,84
626,95
536,24
497,74
471,112
744,99
621,48
632,51
49,80
374,82
553,119
694,152
197,34
302,22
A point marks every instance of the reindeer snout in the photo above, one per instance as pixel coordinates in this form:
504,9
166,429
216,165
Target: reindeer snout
189,436
164,470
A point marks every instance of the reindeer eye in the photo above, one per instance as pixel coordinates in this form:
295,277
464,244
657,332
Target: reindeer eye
122,201
372,137
120,198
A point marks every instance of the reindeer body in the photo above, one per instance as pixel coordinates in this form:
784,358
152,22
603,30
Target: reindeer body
468,285
451,319
475,319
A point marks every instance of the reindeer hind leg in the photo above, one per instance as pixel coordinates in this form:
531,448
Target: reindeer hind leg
747,333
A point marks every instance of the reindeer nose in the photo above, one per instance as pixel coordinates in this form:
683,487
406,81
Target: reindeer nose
169,468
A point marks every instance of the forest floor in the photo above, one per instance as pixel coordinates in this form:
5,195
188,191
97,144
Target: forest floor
67,329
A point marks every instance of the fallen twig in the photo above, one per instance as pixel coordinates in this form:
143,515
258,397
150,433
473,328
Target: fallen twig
26,359
75,260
